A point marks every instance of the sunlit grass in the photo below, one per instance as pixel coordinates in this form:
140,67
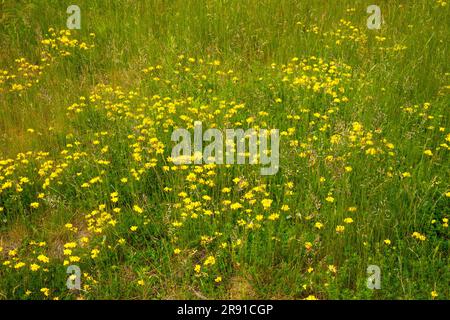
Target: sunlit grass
86,177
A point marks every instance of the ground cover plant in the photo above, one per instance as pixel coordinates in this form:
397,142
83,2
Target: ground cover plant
88,182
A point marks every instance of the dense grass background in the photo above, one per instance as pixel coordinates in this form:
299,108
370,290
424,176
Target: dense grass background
131,35
246,36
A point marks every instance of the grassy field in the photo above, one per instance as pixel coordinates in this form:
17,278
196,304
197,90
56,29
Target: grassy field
86,176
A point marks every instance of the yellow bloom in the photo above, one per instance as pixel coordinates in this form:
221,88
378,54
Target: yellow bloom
70,245
94,253
177,224
406,174
266,203
210,261
137,209
371,151
34,267
332,268
43,258
208,212
182,194
12,253
34,205
318,225
236,206
114,197
133,228
273,216
45,291
348,220
218,279
74,259
419,236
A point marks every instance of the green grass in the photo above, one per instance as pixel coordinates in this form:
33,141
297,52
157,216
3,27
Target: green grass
353,147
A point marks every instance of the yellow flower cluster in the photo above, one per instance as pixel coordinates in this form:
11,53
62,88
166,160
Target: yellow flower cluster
26,74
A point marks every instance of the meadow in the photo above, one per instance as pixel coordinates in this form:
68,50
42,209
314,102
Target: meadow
87,178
